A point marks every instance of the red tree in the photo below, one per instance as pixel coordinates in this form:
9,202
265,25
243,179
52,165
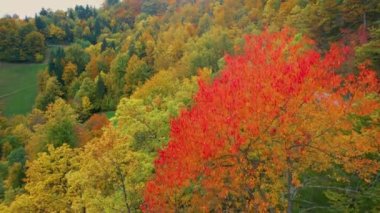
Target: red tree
274,112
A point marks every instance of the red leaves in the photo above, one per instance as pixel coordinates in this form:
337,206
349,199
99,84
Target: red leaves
253,105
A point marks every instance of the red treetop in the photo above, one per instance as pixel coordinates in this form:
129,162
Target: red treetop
275,111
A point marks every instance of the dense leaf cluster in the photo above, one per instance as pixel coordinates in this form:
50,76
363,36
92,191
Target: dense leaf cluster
283,123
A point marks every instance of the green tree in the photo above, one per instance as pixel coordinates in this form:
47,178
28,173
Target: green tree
49,94
10,41
40,23
136,74
58,129
208,50
78,56
34,45
110,3
56,34
153,7
85,98
88,89
101,91
56,63
370,51
115,80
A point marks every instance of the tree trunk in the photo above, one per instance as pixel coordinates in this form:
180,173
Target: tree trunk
290,185
290,204
122,182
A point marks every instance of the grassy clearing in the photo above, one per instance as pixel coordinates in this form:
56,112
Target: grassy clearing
18,87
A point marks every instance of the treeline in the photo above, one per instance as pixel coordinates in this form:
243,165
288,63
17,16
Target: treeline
143,59
20,41
26,40
186,36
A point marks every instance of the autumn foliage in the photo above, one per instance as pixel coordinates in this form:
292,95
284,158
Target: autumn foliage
92,128
275,112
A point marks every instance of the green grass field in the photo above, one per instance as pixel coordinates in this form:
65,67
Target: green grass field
18,87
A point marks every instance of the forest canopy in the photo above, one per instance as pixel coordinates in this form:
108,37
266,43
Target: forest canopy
196,106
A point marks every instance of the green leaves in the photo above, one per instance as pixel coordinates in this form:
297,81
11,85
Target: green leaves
360,122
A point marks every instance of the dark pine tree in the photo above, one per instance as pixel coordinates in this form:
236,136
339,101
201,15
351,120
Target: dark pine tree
40,23
56,63
100,88
104,45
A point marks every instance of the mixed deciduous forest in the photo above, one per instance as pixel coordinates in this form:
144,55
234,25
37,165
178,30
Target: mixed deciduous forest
193,106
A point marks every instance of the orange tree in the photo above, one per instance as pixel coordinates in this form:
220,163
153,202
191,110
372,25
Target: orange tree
276,111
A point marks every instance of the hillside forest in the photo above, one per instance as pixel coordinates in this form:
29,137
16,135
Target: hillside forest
196,106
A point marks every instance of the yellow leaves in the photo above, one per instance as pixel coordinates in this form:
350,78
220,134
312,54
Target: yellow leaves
296,182
205,74
161,83
137,72
170,46
60,110
47,178
105,175
86,106
23,203
365,168
22,132
111,168
56,33
13,179
69,73
6,148
57,114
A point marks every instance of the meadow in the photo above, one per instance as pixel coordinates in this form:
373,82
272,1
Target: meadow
18,87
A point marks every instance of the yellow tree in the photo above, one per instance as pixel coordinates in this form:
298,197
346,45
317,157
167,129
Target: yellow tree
112,176
47,182
56,33
69,73
137,72
86,107
56,128
170,46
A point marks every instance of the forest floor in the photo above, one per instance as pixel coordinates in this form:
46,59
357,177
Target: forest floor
18,87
